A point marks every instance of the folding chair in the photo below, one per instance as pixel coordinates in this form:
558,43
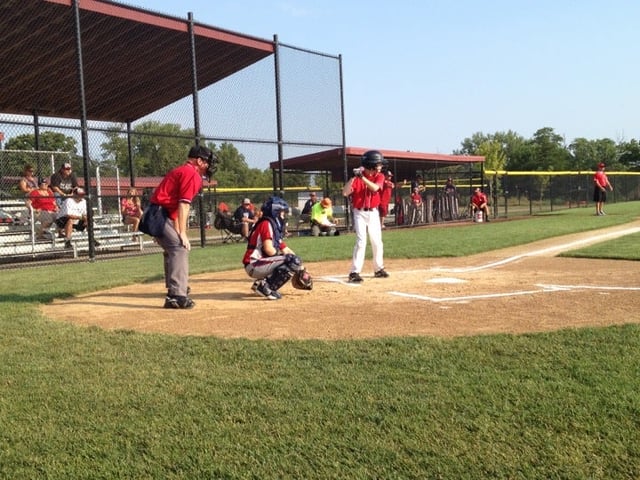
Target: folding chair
230,231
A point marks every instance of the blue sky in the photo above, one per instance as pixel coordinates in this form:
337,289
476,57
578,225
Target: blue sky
422,75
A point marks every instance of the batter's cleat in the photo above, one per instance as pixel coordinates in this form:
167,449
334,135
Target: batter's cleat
381,274
262,288
178,302
354,277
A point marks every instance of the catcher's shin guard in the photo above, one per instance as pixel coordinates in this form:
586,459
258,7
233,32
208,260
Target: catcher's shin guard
279,277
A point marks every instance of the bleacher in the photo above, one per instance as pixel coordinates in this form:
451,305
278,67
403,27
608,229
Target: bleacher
18,237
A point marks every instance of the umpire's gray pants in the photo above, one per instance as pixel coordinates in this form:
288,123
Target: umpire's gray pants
176,261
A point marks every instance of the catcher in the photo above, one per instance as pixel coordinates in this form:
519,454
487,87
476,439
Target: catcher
268,259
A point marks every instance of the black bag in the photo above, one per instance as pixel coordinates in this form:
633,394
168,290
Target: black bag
153,220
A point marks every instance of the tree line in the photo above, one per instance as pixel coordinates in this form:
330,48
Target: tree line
547,151
158,147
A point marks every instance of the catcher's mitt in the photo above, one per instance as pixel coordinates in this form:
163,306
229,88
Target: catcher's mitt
302,280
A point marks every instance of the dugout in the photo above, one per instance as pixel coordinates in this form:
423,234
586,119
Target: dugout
336,165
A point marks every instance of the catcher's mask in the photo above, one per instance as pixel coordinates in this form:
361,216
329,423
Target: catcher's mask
273,206
206,155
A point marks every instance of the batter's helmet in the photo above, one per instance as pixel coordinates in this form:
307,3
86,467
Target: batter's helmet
371,159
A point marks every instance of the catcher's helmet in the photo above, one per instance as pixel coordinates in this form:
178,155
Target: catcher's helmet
371,159
273,206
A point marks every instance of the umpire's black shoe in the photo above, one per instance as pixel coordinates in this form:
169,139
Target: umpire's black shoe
354,277
381,274
178,302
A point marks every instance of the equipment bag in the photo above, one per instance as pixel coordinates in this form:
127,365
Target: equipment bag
153,220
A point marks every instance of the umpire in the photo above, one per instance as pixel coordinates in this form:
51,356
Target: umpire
174,196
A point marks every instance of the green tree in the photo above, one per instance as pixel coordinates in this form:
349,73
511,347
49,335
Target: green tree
13,162
495,157
233,170
583,154
503,148
157,148
49,141
548,151
629,155
607,152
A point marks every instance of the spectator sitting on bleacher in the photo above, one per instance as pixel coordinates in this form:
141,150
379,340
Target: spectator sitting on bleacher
322,218
44,207
72,216
131,209
63,182
27,184
245,217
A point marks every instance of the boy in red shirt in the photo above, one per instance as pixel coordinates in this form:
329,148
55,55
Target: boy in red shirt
385,197
479,202
600,185
268,259
364,191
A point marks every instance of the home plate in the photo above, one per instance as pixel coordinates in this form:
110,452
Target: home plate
446,280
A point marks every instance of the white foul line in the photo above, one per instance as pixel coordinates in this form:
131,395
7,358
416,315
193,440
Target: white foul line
543,251
543,289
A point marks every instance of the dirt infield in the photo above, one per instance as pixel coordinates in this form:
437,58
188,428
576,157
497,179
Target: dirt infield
515,290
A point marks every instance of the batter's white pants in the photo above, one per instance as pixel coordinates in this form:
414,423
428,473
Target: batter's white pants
367,221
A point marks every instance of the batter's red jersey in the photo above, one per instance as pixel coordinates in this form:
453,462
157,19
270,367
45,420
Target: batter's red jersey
362,197
181,184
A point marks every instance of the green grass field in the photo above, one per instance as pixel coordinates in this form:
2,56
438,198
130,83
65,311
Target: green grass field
85,403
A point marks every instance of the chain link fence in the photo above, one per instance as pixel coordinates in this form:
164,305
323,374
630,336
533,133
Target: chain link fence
266,112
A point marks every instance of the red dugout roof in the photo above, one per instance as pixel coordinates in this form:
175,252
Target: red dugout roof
403,163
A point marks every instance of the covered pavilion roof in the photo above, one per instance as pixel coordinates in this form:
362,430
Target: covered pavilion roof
404,164
134,61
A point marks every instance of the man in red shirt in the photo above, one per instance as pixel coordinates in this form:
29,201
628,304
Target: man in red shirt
479,202
600,185
174,195
364,191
